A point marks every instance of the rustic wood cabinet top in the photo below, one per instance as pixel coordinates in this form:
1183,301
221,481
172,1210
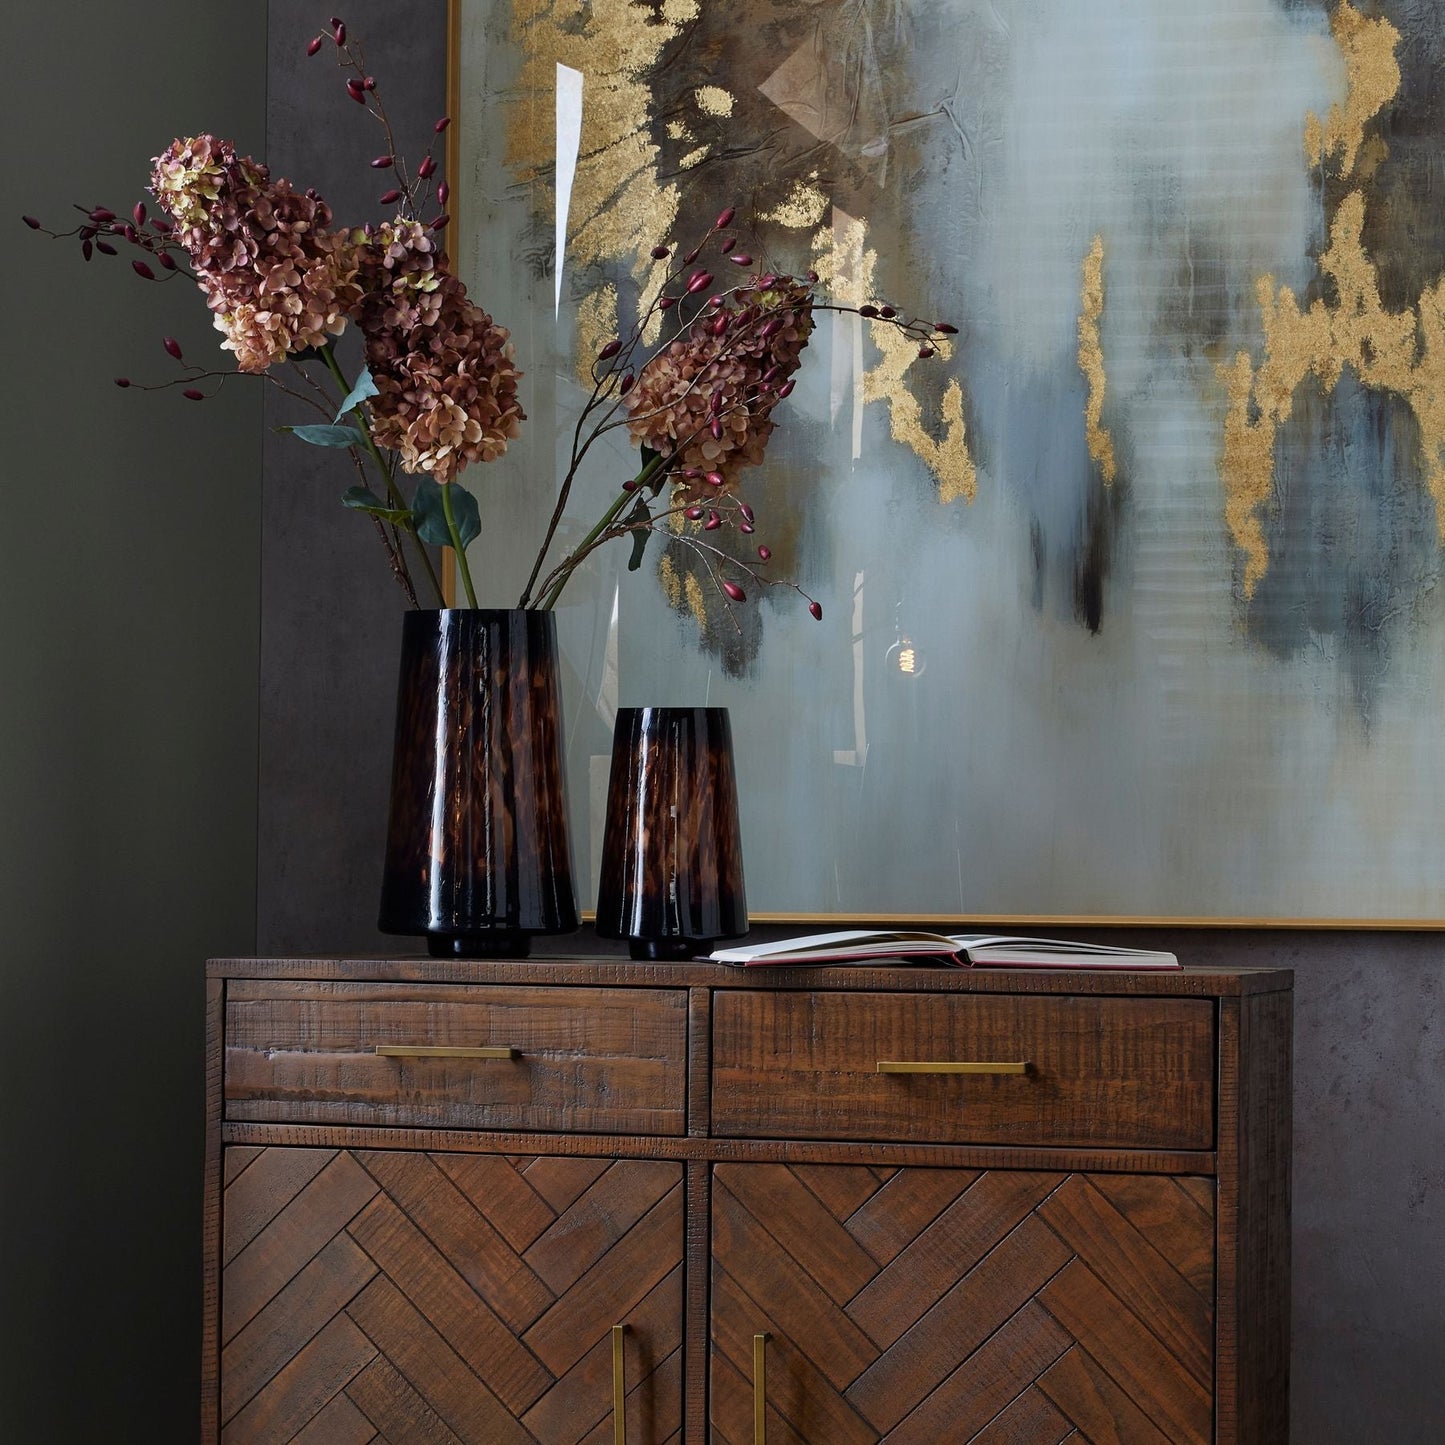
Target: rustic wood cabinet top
604,971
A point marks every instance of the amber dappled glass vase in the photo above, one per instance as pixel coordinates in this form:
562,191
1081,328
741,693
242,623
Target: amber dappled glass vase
477,852
672,859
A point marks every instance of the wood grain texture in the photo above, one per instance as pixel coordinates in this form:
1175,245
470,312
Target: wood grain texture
211,1213
1016,1274
378,1297
610,971
411,1261
1259,1171
603,1147
604,1060
1136,1073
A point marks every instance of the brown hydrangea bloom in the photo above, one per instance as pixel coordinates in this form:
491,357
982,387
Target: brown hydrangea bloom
764,328
444,371
277,279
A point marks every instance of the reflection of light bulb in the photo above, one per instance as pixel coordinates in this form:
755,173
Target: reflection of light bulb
905,659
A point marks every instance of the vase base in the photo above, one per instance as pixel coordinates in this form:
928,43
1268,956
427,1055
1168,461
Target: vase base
501,944
666,950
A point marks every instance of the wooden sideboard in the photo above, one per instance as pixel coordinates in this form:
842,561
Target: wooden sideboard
573,1200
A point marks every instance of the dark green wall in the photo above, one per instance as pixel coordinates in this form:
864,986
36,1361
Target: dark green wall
129,603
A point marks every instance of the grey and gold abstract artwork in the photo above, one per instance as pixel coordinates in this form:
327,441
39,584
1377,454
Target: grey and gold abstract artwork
1161,537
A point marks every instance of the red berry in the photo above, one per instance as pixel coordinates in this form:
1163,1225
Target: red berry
764,553
140,268
339,33
122,382
172,345
442,124
660,253
427,166
389,198
383,163
31,222
726,219
741,258
816,608
443,191
713,522
610,350
441,222
735,592
191,394
314,46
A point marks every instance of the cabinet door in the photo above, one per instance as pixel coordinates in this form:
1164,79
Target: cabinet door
379,1295
932,1305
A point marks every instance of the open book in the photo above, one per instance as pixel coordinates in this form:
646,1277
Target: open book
964,950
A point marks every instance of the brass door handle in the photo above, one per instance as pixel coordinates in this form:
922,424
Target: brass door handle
619,1388
430,1051
760,1390
901,1066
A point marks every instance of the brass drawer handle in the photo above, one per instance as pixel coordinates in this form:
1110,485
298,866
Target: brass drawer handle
760,1391
899,1066
619,1388
429,1051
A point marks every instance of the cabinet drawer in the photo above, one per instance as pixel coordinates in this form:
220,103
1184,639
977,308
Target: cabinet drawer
1129,1073
596,1060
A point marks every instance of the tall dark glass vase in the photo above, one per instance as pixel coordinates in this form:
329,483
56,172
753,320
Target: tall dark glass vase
672,857
477,853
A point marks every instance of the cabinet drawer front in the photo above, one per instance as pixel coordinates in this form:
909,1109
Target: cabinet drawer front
595,1060
1098,1072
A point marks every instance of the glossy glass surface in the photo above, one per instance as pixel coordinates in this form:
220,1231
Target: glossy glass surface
672,862
478,856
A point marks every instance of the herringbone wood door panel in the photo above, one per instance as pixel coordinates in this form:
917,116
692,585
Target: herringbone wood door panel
940,1306
371,1295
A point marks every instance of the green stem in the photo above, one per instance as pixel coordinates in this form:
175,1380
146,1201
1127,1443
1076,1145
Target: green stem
569,563
393,492
458,546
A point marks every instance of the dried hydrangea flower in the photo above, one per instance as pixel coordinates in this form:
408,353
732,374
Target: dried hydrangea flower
444,371
706,400
276,278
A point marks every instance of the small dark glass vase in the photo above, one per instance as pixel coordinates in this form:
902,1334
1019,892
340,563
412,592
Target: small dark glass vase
477,852
672,859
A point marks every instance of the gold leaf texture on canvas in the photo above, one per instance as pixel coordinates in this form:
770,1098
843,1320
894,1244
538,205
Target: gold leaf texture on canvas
618,199
1091,360
1402,352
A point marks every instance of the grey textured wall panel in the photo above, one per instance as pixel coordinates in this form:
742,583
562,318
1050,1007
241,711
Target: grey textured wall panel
331,614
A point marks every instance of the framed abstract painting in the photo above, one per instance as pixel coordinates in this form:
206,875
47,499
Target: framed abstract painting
1130,608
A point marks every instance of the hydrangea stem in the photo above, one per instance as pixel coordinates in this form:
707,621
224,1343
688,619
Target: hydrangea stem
458,546
394,495
569,564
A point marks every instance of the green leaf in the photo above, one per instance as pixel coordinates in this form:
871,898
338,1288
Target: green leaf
640,519
365,387
363,499
648,457
431,517
326,436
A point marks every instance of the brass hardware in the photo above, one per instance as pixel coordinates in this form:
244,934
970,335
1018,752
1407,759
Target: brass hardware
427,1051
760,1391
619,1388
895,1066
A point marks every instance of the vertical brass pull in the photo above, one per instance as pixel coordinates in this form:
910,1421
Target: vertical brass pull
619,1388
760,1390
